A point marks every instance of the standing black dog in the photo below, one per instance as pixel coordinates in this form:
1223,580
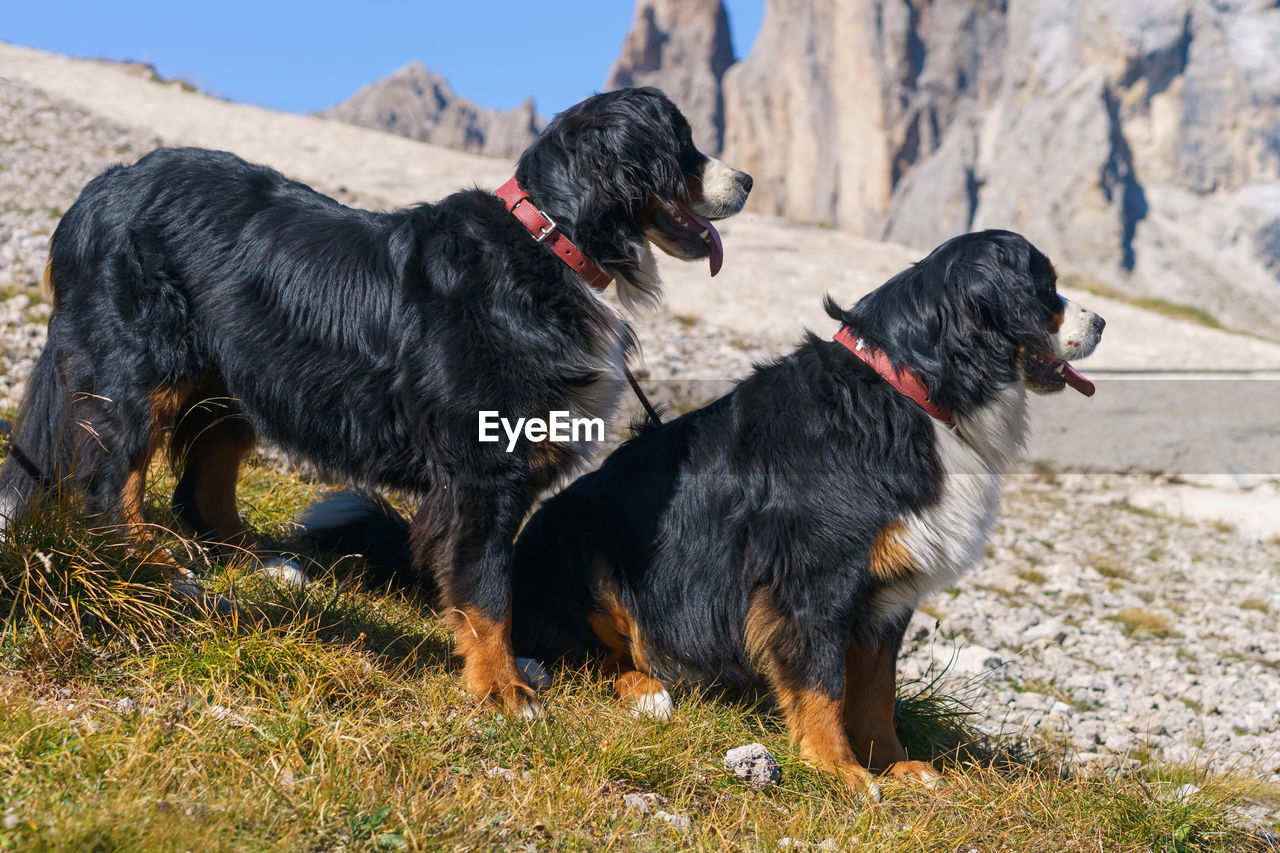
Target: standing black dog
788,530
211,300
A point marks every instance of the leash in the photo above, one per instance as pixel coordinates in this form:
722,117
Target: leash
904,381
644,401
545,230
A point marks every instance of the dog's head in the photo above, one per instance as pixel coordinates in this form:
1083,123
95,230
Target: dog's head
980,313
619,171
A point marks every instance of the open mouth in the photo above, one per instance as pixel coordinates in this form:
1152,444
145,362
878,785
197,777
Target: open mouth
688,235
1052,374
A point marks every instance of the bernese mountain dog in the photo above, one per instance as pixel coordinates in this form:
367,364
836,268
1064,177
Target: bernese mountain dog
207,301
786,532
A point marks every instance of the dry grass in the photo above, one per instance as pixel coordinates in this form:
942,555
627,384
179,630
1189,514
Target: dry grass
1163,307
1109,567
1137,621
333,719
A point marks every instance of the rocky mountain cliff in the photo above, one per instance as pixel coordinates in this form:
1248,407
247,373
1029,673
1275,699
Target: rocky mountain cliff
418,103
683,48
1138,142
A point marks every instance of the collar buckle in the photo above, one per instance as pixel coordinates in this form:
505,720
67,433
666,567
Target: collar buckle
547,230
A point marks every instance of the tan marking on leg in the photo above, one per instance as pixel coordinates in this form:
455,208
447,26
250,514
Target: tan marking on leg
215,494
489,666
209,444
166,401
813,720
890,560
133,498
634,686
869,702
812,717
762,625
617,630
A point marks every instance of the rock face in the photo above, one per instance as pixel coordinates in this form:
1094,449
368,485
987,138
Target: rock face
803,114
1136,142
683,48
418,103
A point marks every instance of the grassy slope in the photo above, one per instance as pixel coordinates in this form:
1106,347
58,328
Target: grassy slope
333,719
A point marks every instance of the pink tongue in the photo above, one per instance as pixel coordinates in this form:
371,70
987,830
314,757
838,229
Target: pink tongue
714,247
1075,379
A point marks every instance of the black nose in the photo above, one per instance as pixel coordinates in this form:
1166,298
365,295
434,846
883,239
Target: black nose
1098,325
746,181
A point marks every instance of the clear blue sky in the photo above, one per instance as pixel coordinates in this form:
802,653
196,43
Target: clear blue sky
304,56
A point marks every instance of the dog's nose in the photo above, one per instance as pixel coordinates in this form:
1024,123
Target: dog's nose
1098,325
746,182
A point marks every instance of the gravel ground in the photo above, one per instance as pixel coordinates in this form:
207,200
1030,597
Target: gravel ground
1113,630
1117,632
49,150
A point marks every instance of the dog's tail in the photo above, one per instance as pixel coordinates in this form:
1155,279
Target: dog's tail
358,523
549,585
36,461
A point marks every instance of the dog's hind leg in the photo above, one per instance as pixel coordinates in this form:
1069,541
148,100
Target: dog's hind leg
76,437
634,684
210,439
869,707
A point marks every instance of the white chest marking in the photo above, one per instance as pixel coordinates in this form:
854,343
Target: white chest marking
948,537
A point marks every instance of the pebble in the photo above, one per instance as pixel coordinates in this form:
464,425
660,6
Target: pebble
635,802
680,823
755,764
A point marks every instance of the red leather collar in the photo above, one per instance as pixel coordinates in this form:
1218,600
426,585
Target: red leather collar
906,382
544,230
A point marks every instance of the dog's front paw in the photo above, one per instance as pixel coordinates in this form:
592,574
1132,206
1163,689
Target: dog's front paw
655,706
517,702
185,584
921,772
645,694
534,673
862,783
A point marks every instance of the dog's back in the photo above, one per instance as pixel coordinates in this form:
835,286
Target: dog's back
152,271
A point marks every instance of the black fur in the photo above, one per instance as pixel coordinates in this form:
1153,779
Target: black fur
363,342
784,484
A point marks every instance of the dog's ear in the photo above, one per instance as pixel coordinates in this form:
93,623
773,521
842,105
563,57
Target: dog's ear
834,311
1005,283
